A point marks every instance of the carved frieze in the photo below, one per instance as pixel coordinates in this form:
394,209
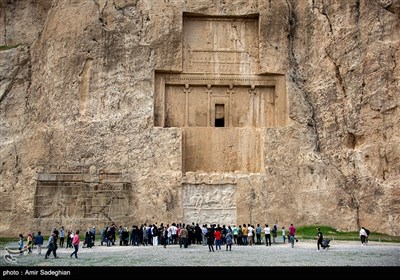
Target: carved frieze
209,204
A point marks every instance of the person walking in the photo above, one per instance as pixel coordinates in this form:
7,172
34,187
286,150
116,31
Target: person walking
52,245
21,243
319,238
75,243
29,240
292,233
366,238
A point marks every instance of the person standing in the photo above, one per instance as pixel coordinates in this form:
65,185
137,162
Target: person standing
244,237
363,236
229,241
250,234
240,236
120,230
210,239
184,237
283,235
292,233
267,233
154,233
203,234
274,232
319,238
164,236
75,243
62,237
217,236
39,242
145,235
113,230
93,233
258,234
235,231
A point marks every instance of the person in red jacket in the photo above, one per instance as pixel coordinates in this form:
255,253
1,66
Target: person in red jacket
75,243
217,236
292,234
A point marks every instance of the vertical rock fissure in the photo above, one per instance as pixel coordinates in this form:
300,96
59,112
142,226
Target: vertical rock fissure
14,78
16,165
292,22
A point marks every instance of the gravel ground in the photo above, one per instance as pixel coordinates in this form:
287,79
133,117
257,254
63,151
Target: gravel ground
341,253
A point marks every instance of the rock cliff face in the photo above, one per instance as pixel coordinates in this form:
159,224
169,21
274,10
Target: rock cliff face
95,127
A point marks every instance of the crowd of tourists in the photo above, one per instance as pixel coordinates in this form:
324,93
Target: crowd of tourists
180,234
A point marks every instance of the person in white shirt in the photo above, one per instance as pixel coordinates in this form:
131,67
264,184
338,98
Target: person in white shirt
203,234
363,236
267,232
250,234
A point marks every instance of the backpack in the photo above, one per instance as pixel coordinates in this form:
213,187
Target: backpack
367,231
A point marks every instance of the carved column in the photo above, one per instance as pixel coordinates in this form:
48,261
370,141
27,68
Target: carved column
186,91
161,87
252,92
270,107
230,91
208,91
261,105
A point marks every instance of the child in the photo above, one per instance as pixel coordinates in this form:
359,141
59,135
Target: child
30,243
21,242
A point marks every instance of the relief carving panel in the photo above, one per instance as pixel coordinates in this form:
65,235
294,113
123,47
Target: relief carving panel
211,204
104,195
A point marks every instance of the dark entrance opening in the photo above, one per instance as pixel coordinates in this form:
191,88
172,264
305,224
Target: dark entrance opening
219,115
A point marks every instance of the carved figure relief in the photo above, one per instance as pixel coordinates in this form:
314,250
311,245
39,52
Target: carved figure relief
209,204
81,194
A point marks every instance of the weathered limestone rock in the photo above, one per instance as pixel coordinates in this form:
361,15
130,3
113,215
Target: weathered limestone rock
134,111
